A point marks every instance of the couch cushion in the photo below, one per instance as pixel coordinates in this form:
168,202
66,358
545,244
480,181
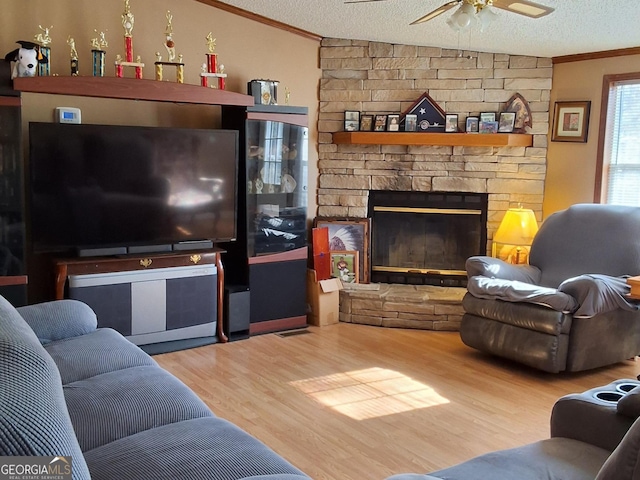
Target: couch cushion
101,351
551,459
59,319
624,462
199,449
33,414
127,402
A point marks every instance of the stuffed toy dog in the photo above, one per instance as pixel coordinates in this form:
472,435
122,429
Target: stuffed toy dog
26,59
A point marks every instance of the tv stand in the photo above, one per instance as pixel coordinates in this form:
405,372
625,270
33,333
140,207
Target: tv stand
66,267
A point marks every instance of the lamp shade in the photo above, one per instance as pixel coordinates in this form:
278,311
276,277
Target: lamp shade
518,227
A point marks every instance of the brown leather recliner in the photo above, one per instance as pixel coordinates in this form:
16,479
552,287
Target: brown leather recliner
567,310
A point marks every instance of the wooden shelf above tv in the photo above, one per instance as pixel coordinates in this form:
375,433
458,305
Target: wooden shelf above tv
131,89
440,139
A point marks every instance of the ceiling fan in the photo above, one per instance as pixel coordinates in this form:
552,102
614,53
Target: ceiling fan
471,7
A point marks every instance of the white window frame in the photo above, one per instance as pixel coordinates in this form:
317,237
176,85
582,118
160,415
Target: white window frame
601,191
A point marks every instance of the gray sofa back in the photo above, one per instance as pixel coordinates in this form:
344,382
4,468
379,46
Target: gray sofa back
585,239
33,414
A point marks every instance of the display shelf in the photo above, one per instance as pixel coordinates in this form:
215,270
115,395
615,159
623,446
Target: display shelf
438,139
131,89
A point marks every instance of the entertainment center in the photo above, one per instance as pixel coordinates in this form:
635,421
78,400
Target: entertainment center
146,268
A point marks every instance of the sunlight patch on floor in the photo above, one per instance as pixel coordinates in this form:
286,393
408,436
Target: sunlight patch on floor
370,393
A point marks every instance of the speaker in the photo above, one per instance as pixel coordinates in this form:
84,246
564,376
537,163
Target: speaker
237,312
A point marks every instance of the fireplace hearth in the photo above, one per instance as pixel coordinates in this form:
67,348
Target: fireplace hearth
424,238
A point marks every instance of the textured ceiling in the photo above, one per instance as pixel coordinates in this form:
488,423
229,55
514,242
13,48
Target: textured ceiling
576,26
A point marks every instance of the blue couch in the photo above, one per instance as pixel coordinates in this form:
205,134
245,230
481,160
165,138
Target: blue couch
70,389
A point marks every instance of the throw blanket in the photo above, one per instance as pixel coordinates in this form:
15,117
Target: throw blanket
584,296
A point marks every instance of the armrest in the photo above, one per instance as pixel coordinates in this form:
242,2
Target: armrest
59,319
586,418
496,268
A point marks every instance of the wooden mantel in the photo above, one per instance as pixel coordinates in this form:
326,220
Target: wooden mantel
131,89
438,139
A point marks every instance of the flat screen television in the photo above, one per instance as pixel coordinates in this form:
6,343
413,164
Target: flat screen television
96,188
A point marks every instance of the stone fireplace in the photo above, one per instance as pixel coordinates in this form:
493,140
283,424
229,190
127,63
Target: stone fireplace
373,77
424,238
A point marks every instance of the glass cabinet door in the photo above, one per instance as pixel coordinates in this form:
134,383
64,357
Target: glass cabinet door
276,186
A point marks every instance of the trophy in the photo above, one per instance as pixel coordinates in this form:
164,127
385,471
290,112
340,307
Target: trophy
127,23
210,68
169,44
44,39
98,45
74,56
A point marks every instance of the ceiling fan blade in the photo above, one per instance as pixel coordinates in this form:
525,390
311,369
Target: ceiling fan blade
437,11
523,7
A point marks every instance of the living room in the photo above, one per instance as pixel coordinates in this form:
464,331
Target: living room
469,403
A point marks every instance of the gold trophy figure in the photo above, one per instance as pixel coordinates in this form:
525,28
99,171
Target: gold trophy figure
74,56
170,46
44,39
98,46
212,66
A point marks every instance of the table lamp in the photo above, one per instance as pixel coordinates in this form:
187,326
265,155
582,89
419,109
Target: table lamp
514,236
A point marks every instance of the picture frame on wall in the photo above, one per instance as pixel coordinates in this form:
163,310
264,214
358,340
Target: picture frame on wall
351,121
349,235
472,124
488,127
506,122
380,124
366,123
571,121
393,123
451,123
410,122
344,265
488,116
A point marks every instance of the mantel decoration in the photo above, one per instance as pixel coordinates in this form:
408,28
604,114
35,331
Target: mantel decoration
170,46
571,121
430,117
44,40
518,105
127,23
98,46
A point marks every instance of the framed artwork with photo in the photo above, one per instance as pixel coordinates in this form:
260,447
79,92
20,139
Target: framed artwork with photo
349,235
351,121
410,122
488,116
488,127
366,123
344,265
451,123
571,121
472,124
393,123
380,124
506,122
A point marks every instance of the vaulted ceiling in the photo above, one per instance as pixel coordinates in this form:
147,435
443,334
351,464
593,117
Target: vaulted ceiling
575,27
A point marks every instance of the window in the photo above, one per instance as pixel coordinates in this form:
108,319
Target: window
619,146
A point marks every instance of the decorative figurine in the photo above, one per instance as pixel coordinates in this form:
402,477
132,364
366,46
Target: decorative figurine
170,46
127,23
74,56
98,46
210,69
44,39
26,59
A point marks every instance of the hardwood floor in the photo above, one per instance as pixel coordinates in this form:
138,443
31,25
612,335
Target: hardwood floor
354,402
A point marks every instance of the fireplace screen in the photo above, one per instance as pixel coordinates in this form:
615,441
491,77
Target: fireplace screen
425,237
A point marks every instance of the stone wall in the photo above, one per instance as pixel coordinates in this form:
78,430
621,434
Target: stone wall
373,77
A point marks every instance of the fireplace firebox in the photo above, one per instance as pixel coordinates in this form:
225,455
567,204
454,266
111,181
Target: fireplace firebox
424,238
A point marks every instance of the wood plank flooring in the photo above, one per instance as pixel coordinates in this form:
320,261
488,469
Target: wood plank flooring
354,402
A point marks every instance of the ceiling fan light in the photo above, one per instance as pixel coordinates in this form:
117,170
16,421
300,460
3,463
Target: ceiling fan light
452,23
486,16
464,15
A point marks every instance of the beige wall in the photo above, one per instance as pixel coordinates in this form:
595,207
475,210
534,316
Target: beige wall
247,49
571,167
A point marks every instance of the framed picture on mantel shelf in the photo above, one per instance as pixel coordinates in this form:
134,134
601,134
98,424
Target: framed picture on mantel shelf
349,235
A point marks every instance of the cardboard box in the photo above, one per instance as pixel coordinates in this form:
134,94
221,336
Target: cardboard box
323,297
